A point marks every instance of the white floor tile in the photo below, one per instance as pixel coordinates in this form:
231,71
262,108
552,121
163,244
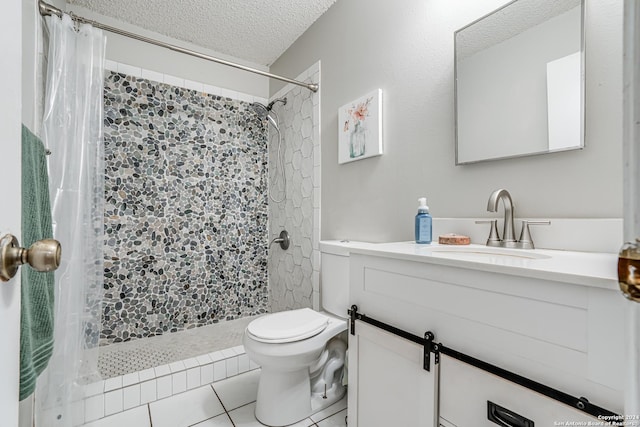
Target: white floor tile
137,417
337,420
219,421
244,416
331,410
239,390
186,409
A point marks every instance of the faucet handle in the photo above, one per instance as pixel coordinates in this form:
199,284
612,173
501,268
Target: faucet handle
494,238
525,241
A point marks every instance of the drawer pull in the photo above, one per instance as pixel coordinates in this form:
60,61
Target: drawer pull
506,418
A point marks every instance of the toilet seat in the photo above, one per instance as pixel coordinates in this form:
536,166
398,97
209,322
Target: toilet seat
288,326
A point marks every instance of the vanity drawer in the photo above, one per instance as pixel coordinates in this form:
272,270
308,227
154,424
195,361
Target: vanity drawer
466,390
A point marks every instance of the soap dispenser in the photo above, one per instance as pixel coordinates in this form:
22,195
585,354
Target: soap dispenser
423,222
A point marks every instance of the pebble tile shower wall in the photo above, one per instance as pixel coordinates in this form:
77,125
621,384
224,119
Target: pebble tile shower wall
186,209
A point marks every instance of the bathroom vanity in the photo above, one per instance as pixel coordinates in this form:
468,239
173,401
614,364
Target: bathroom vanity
552,317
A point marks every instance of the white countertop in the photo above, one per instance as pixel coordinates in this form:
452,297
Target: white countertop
581,268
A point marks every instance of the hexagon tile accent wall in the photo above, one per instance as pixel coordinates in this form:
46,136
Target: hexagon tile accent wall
294,275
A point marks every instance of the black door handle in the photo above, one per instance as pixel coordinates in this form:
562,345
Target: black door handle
505,417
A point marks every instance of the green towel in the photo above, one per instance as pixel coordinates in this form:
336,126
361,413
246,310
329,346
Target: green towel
36,317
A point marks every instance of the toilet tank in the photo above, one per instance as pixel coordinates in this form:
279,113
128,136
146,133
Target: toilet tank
334,276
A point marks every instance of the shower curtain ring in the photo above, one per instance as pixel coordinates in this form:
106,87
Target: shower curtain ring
76,21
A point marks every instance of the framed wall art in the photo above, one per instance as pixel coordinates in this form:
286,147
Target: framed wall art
360,128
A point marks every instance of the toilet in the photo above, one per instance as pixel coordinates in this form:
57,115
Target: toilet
301,352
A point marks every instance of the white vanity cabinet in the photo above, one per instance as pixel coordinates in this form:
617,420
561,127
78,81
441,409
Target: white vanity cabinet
562,330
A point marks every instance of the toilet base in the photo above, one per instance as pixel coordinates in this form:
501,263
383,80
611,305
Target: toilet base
318,402
285,399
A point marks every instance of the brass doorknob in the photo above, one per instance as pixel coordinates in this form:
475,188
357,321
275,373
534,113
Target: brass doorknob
43,255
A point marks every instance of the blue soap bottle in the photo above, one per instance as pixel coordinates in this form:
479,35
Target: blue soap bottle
423,222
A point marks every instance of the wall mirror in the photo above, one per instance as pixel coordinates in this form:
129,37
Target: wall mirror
519,81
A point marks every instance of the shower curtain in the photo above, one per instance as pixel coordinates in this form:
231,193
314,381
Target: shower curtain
72,131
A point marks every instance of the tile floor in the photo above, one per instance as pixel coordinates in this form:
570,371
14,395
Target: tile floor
227,403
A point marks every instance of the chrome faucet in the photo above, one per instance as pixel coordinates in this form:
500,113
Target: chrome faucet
508,239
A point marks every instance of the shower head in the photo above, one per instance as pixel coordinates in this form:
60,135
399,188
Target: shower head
263,113
261,110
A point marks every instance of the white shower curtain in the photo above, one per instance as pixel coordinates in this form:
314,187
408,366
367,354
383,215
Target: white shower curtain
72,130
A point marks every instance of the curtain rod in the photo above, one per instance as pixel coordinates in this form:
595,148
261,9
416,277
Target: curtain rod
47,9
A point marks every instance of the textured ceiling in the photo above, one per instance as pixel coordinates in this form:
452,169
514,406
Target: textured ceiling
507,22
254,30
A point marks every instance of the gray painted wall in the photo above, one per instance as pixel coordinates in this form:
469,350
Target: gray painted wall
408,52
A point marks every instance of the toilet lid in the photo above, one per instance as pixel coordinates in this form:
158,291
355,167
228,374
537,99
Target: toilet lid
288,326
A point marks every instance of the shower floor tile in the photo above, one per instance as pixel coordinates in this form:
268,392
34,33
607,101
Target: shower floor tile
137,355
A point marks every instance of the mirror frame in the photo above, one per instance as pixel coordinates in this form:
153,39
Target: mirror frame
583,80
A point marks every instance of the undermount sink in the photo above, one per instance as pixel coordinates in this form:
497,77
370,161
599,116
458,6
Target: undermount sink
486,254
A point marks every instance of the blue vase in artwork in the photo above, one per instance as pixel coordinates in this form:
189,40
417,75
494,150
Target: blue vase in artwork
357,141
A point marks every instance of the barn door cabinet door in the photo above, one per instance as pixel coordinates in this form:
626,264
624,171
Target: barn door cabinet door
387,383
